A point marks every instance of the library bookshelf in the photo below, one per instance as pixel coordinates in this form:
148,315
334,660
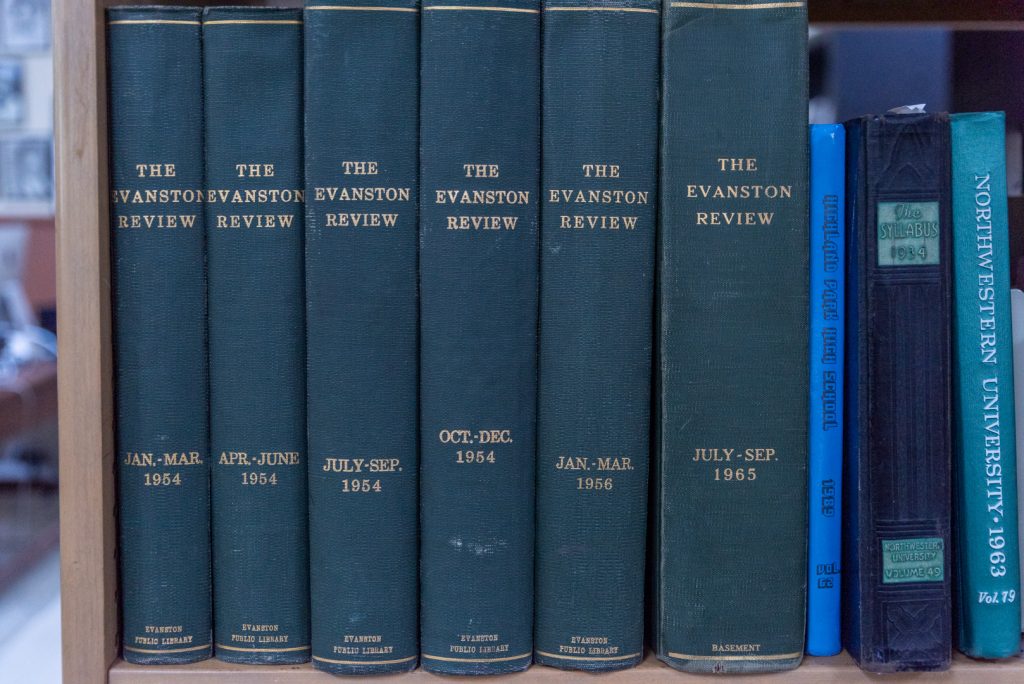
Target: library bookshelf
89,591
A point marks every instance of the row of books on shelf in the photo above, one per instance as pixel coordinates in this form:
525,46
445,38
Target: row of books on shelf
387,333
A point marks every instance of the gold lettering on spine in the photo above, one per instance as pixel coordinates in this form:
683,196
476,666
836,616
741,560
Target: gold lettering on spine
742,191
365,219
600,223
155,221
279,221
482,197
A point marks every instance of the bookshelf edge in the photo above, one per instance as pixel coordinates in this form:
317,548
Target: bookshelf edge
87,525
87,529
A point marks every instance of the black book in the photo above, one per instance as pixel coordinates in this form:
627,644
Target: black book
897,605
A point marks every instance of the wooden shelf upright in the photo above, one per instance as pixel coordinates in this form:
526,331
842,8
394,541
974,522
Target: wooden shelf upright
87,504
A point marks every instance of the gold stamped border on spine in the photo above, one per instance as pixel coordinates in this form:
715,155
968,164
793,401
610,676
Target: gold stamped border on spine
477,660
643,10
183,23
166,650
592,658
482,8
772,656
222,22
363,8
394,661
264,650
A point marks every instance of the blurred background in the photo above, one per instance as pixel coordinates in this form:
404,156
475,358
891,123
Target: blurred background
853,72
29,572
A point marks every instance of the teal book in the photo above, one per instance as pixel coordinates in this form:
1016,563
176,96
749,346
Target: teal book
480,179
159,333
362,158
731,431
254,221
987,586
599,207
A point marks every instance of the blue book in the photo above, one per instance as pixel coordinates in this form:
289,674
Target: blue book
828,193
159,330
984,460
479,229
252,87
362,234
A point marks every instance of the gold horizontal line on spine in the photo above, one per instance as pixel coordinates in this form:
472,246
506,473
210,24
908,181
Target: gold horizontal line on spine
165,650
738,6
363,8
263,650
601,9
182,23
477,660
222,22
364,662
774,656
596,658
481,8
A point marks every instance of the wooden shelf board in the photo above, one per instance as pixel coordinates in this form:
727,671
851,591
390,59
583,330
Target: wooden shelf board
837,669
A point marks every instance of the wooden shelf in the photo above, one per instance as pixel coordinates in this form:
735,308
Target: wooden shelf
813,671
89,599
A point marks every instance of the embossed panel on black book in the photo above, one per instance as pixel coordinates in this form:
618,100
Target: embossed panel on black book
897,600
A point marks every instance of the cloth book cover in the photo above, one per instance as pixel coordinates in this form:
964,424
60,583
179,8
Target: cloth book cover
480,181
159,333
252,63
362,156
600,150
730,577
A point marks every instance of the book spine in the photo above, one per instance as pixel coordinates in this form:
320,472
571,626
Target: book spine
828,276
1017,329
480,150
600,147
362,157
985,468
159,329
254,217
896,577
733,369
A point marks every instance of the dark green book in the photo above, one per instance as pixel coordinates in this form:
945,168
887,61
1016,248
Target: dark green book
254,221
600,152
159,328
731,508
362,156
480,176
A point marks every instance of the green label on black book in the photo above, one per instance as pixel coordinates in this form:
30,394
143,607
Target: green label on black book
912,560
908,233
